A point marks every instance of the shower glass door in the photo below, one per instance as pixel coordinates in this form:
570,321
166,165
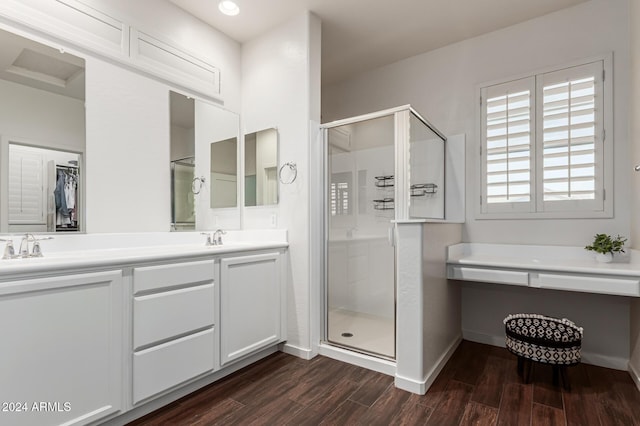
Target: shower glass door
360,299
183,216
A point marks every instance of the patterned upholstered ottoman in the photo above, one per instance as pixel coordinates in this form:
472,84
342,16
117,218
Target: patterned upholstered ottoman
546,340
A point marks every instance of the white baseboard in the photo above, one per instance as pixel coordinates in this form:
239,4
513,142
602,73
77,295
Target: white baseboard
421,387
634,375
444,358
600,360
605,361
410,385
361,360
297,351
487,339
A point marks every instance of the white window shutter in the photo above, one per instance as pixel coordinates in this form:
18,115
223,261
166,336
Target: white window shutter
27,199
508,154
569,129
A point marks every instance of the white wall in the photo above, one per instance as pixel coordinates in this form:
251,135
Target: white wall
441,85
127,152
634,136
281,89
41,117
441,300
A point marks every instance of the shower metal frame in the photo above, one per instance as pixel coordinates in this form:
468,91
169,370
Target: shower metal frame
402,115
186,161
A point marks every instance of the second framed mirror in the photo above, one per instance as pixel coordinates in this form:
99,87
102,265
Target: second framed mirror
261,168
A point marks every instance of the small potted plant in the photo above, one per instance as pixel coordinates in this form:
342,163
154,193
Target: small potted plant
606,246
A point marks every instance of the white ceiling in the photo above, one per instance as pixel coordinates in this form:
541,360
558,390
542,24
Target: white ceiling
358,35
35,65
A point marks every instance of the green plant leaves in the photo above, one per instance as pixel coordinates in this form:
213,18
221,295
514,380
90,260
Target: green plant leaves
603,243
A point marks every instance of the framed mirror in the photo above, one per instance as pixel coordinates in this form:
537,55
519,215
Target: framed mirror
42,121
261,168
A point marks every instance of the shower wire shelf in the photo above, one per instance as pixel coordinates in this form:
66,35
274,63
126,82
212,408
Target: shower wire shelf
384,181
422,189
383,204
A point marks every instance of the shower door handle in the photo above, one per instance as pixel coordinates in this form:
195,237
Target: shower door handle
392,235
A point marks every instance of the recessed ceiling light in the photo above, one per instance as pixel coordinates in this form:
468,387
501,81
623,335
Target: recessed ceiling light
228,7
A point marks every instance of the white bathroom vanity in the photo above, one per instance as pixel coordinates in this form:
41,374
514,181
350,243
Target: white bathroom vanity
124,320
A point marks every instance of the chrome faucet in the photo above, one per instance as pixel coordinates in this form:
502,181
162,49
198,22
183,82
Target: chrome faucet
24,245
36,250
209,241
9,250
217,237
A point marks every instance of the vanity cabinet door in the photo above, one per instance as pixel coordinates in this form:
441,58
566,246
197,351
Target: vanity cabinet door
251,304
61,357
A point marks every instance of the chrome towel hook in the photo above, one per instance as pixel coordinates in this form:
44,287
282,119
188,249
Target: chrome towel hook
196,184
293,173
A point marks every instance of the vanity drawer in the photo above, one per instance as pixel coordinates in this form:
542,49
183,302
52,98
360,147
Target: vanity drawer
151,278
589,284
161,367
499,276
161,316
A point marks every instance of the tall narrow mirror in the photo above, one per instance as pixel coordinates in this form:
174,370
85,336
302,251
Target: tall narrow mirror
42,111
261,168
217,155
183,212
224,171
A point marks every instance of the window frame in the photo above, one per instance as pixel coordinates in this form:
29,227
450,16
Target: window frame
535,207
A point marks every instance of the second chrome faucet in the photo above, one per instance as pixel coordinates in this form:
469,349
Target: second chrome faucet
24,252
214,238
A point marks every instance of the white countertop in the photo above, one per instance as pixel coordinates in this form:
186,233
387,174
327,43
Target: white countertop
544,258
548,267
66,252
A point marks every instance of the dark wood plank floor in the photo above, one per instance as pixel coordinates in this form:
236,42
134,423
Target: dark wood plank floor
478,386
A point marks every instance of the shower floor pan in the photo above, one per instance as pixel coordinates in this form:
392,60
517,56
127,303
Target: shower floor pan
363,332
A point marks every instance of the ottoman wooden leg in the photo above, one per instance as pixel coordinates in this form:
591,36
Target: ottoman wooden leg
528,371
564,378
556,374
520,366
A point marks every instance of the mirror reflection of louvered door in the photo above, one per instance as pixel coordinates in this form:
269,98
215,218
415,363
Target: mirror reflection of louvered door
27,198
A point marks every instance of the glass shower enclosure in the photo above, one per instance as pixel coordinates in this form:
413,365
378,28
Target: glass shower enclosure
380,168
183,216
